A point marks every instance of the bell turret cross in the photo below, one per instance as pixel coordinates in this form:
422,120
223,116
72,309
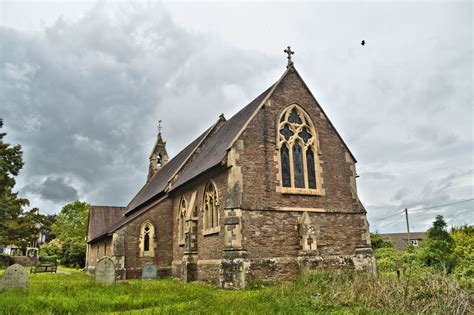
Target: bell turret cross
289,52
159,126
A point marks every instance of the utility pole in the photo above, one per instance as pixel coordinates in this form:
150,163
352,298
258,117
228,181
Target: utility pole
408,226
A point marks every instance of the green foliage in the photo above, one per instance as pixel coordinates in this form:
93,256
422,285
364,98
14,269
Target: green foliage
463,252
379,242
74,253
436,250
71,222
53,248
16,226
315,293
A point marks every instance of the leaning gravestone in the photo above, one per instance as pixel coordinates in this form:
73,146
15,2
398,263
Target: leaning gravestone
15,276
105,271
149,272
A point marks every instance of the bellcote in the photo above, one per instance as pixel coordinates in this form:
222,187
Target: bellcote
158,156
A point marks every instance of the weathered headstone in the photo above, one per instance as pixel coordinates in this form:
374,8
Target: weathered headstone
149,272
14,276
105,271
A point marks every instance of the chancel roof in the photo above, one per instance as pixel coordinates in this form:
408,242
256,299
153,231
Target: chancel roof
102,218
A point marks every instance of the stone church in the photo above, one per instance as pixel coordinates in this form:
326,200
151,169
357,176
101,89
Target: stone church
262,196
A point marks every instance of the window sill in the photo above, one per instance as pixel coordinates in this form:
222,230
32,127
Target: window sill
211,231
300,191
147,254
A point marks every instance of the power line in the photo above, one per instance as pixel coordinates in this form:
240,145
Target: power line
384,218
419,209
439,206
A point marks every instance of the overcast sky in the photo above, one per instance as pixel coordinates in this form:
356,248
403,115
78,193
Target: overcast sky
83,85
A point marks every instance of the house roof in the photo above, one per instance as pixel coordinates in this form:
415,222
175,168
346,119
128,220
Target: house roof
400,240
101,218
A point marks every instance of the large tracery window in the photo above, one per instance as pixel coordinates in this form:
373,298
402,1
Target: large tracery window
181,220
147,236
298,152
210,209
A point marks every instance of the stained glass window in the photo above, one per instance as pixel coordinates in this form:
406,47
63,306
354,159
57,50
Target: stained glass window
285,166
298,143
311,170
298,169
305,135
146,245
286,132
211,211
294,118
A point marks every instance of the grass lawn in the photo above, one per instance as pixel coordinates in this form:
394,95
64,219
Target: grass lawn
334,293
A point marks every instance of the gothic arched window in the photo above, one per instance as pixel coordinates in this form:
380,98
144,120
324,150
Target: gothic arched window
210,209
147,236
297,142
181,220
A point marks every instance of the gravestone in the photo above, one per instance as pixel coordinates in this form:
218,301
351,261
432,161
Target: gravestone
105,271
149,272
15,276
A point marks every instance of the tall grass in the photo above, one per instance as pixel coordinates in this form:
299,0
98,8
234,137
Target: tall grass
320,292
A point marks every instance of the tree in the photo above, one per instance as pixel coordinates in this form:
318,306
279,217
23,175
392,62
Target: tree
71,222
16,226
437,248
378,241
463,252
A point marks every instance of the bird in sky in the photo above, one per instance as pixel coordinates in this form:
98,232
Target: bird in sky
362,42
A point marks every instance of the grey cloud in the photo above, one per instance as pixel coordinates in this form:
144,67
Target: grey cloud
83,97
53,189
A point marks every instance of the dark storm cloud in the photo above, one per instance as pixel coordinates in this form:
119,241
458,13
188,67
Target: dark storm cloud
53,189
84,97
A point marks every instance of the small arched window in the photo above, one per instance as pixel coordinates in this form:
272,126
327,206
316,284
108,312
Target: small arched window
181,220
210,209
147,236
297,143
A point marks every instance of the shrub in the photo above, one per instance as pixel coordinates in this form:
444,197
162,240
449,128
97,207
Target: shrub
5,260
74,253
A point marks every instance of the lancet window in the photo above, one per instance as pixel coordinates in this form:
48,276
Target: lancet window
147,236
210,209
298,152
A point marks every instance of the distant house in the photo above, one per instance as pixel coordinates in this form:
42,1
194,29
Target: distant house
400,240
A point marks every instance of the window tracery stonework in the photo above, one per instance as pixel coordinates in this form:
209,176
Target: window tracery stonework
299,164
210,208
147,240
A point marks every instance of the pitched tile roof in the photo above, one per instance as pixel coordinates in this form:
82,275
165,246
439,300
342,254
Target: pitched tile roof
214,150
400,240
101,218
159,181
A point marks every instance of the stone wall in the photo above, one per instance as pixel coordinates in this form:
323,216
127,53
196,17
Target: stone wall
160,216
96,251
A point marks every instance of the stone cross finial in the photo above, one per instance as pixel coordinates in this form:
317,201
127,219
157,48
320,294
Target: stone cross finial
159,126
289,52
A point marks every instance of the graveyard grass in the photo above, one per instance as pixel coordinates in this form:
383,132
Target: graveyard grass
320,292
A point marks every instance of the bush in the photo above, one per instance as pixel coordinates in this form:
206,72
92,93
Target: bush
74,254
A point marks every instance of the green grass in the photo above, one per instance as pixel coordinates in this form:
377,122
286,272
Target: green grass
322,293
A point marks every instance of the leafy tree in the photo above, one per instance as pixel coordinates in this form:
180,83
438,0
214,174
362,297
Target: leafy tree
16,226
71,222
436,250
463,252
378,241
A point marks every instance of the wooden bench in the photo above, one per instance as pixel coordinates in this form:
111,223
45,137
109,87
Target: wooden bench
44,268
